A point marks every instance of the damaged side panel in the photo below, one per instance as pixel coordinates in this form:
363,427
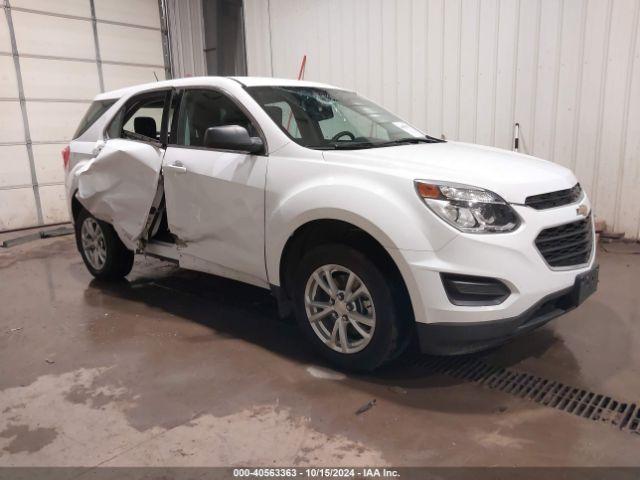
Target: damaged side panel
119,186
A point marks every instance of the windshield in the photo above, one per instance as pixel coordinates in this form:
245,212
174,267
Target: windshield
334,119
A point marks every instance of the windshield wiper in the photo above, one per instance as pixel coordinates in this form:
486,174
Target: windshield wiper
367,144
342,146
352,145
409,141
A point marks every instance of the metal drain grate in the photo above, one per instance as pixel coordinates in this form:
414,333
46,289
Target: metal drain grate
576,401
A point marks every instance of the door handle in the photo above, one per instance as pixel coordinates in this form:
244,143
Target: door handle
176,167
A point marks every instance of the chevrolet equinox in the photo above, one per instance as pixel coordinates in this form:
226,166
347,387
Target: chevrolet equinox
368,231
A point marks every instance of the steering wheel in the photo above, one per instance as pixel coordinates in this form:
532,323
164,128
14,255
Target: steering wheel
341,134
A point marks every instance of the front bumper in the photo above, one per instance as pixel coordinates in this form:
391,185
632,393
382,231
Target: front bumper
511,258
462,338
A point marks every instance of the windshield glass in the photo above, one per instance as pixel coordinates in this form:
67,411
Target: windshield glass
334,119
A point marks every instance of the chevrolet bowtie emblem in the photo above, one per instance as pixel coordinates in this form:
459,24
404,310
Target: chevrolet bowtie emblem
582,210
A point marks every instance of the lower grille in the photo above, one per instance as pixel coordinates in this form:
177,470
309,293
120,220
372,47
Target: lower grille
567,245
474,291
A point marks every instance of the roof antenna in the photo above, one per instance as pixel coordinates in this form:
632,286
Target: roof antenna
154,74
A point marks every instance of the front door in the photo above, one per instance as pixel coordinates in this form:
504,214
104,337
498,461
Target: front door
119,185
215,198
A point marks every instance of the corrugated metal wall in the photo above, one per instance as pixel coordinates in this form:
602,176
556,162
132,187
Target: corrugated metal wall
567,70
186,34
55,56
205,37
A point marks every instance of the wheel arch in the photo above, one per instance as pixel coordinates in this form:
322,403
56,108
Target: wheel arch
76,207
325,230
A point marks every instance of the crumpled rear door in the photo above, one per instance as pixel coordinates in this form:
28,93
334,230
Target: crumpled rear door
120,184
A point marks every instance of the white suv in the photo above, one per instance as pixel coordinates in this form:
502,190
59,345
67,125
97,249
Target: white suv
369,231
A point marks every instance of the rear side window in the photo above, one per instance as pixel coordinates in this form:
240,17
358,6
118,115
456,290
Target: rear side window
140,119
95,111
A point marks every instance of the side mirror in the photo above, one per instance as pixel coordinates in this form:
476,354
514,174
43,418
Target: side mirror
232,137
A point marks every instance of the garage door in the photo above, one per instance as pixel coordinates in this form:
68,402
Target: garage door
54,57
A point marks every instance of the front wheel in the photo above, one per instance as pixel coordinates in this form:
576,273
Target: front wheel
346,307
104,254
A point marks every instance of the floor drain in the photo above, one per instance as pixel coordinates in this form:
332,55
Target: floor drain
573,400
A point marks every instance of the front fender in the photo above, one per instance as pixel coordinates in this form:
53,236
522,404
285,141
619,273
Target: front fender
390,212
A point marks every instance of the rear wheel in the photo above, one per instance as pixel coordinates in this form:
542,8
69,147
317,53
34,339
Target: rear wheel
104,254
346,307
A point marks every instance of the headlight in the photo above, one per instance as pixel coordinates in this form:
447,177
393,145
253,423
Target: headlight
469,209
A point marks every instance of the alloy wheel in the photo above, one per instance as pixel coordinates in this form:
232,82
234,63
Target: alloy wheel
340,309
93,243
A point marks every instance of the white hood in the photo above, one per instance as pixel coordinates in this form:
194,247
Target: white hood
511,175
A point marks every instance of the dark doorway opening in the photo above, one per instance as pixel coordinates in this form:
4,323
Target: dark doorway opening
224,46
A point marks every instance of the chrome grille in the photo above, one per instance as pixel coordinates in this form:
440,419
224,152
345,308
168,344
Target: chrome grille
554,199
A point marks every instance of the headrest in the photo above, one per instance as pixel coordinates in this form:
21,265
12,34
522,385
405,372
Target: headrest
145,126
275,113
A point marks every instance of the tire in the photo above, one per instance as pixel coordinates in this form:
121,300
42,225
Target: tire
387,336
116,260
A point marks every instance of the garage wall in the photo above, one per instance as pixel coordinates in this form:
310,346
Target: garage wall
55,56
567,70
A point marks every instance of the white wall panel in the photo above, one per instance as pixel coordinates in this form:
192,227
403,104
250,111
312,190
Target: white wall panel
628,203
547,66
565,126
38,34
17,208
256,24
506,61
11,128
566,70
322,30
78,8
435,67
418,63
130,45
374,59
54,206
54,121
469,38
48,162
404,12
118,76
14,166
450,97
526,71
59,79
8,80
187,37
487,64
598,22
138,12
389,52
614,112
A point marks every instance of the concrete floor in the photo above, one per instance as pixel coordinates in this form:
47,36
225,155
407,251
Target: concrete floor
177,368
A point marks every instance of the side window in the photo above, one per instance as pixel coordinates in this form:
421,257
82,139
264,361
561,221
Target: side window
140,119
202,109
95,111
